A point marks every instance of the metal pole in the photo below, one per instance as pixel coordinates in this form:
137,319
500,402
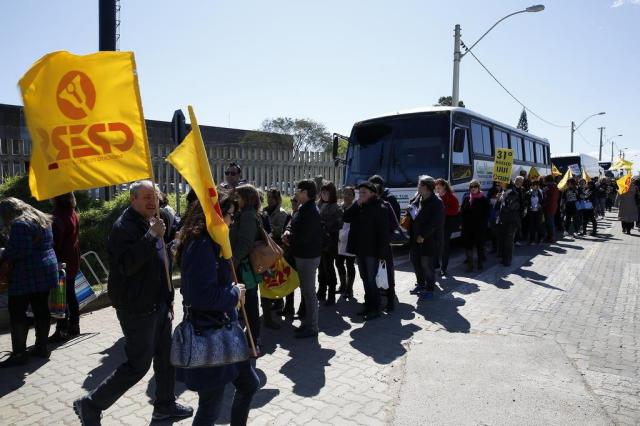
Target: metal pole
573,130
107,24
600,155
611,151
107,42
455,94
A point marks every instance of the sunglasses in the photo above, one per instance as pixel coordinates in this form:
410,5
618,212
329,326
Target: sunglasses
230,173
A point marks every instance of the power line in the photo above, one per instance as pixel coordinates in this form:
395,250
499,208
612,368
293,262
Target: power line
585,139
507,90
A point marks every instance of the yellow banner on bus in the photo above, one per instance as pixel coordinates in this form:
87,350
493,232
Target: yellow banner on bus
502,165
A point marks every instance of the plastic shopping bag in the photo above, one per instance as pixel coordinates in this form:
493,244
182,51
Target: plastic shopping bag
381,276
282,281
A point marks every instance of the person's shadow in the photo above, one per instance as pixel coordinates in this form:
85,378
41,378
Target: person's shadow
444,311
13,378
113,357
306,366
381,339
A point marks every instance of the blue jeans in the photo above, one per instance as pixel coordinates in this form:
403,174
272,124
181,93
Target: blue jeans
368,267
210,401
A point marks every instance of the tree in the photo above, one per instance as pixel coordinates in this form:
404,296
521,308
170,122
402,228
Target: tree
447,100
523,123
307,134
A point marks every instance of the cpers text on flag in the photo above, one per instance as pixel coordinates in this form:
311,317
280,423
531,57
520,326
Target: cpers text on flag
86,123
190,159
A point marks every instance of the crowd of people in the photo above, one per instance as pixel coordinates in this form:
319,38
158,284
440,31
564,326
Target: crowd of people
323,238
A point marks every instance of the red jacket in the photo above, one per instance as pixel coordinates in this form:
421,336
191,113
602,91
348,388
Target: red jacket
451,204
551,198
65,239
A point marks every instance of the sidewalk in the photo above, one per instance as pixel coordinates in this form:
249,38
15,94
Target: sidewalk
558,332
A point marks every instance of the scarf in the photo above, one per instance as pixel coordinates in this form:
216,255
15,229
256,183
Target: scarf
475,196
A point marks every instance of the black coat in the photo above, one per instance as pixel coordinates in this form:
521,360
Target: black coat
137,279
369,233
429,224
393,201
475,217
305,237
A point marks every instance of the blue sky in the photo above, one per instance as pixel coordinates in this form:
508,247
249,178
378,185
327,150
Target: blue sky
338,62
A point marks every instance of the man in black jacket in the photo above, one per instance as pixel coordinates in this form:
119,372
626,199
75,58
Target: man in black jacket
141,291
304,237
369,236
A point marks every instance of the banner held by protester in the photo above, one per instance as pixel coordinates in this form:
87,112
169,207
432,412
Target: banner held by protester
85,118
502,165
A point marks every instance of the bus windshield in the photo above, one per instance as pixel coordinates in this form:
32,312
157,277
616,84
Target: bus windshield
563,163
400,149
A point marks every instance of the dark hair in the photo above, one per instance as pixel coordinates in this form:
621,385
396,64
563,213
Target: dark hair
191,196
445,183
14,209
163,199
571,181
549,179
309,186
349,189
249,195
226,202
368,185
331,189
275,194
195,224
377,179
237,167
64,201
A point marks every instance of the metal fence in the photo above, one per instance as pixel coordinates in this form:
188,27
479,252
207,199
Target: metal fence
264,168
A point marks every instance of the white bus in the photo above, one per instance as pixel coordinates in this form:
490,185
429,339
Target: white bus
456,144
589,163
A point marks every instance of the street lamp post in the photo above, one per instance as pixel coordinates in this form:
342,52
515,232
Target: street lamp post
608,140
457,55
574,127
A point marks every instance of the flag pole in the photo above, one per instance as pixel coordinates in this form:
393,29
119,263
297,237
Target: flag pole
244,312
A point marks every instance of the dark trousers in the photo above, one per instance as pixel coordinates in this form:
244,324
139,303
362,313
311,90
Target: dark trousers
536,227
346,271
18,319
253,313
571,217
506,238
588,215
327,275
446,249
414,256
72,319
368,267
427,264
147,338
627,226
210,401
550,226
391,280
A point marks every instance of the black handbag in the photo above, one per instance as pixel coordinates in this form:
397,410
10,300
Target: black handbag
221,343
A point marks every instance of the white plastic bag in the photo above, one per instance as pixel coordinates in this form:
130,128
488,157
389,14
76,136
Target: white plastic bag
381,276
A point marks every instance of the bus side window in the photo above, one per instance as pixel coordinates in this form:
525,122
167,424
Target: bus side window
460,158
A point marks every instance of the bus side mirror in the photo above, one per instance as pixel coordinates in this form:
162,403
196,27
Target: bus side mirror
458,140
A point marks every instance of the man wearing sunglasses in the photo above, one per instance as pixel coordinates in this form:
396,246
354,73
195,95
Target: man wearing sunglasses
232,177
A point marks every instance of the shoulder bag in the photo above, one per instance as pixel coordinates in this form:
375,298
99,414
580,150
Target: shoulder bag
265,253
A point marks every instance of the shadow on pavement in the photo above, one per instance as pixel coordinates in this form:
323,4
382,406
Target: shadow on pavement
13,378
113,357
444,311
306,366
381,339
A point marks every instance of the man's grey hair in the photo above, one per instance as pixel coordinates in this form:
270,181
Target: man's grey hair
136,186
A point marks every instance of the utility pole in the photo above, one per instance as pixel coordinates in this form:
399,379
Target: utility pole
600,155
611,152
455,93
573,130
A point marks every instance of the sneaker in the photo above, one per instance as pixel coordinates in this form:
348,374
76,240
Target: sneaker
177,411
427,295
518,244
87,413
15,360
418,289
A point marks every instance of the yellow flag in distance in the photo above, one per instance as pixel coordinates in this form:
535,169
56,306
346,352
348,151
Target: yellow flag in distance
562,185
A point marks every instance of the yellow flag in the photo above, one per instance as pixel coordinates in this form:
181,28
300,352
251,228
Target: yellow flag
563,183
624,183
555,171
533,173
85,119
190,159
585,176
